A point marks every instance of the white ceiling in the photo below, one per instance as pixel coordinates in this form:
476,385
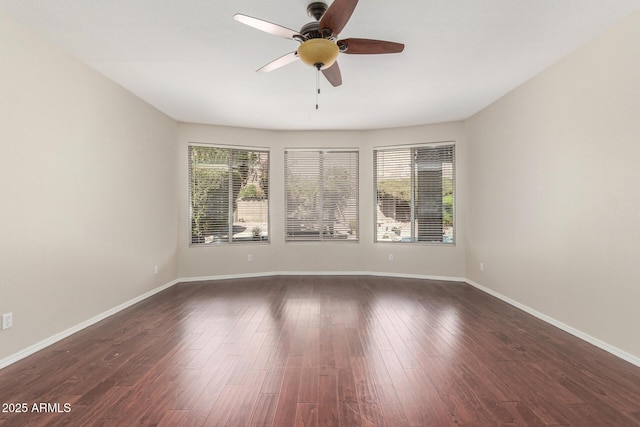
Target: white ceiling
191,60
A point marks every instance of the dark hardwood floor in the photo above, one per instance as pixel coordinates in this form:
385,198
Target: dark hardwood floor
321,351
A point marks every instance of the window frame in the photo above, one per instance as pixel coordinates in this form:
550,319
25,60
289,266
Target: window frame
354,196
229,239
413,167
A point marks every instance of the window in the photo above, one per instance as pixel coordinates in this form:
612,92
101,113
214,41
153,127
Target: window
229,195
321,195
415,193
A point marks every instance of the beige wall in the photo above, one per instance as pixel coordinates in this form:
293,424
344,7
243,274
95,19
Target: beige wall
363,256
554,190
87,192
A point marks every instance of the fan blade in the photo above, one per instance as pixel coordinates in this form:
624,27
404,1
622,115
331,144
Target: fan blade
337,16
267,27
367,46
333,74
280,62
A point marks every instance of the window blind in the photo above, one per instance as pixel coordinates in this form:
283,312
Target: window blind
415,194
229,195
321,195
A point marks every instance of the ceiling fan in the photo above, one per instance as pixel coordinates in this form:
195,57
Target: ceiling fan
319,45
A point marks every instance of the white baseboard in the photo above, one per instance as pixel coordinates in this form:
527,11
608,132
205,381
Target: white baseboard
68,332
322,273
575,332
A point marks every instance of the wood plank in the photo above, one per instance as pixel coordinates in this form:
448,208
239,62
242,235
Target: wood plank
307,415
368,402
264,410
328,411
348,399
287,403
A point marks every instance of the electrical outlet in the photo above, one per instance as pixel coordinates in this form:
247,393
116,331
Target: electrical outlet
7,321
249,258
482,266
155,269
390,257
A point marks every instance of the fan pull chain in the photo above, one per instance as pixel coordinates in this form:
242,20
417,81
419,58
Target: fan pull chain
317,85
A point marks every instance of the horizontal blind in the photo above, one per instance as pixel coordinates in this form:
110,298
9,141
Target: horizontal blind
321,195
393,183
229,200
251,200
434,193
414,193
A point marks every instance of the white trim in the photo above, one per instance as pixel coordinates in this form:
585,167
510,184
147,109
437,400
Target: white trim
80,326
225,277
322,150
415,145
229,146
320,273
550,320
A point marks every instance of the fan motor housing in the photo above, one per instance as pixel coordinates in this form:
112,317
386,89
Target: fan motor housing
311,31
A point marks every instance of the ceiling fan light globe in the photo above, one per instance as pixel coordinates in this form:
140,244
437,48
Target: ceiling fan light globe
318,51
